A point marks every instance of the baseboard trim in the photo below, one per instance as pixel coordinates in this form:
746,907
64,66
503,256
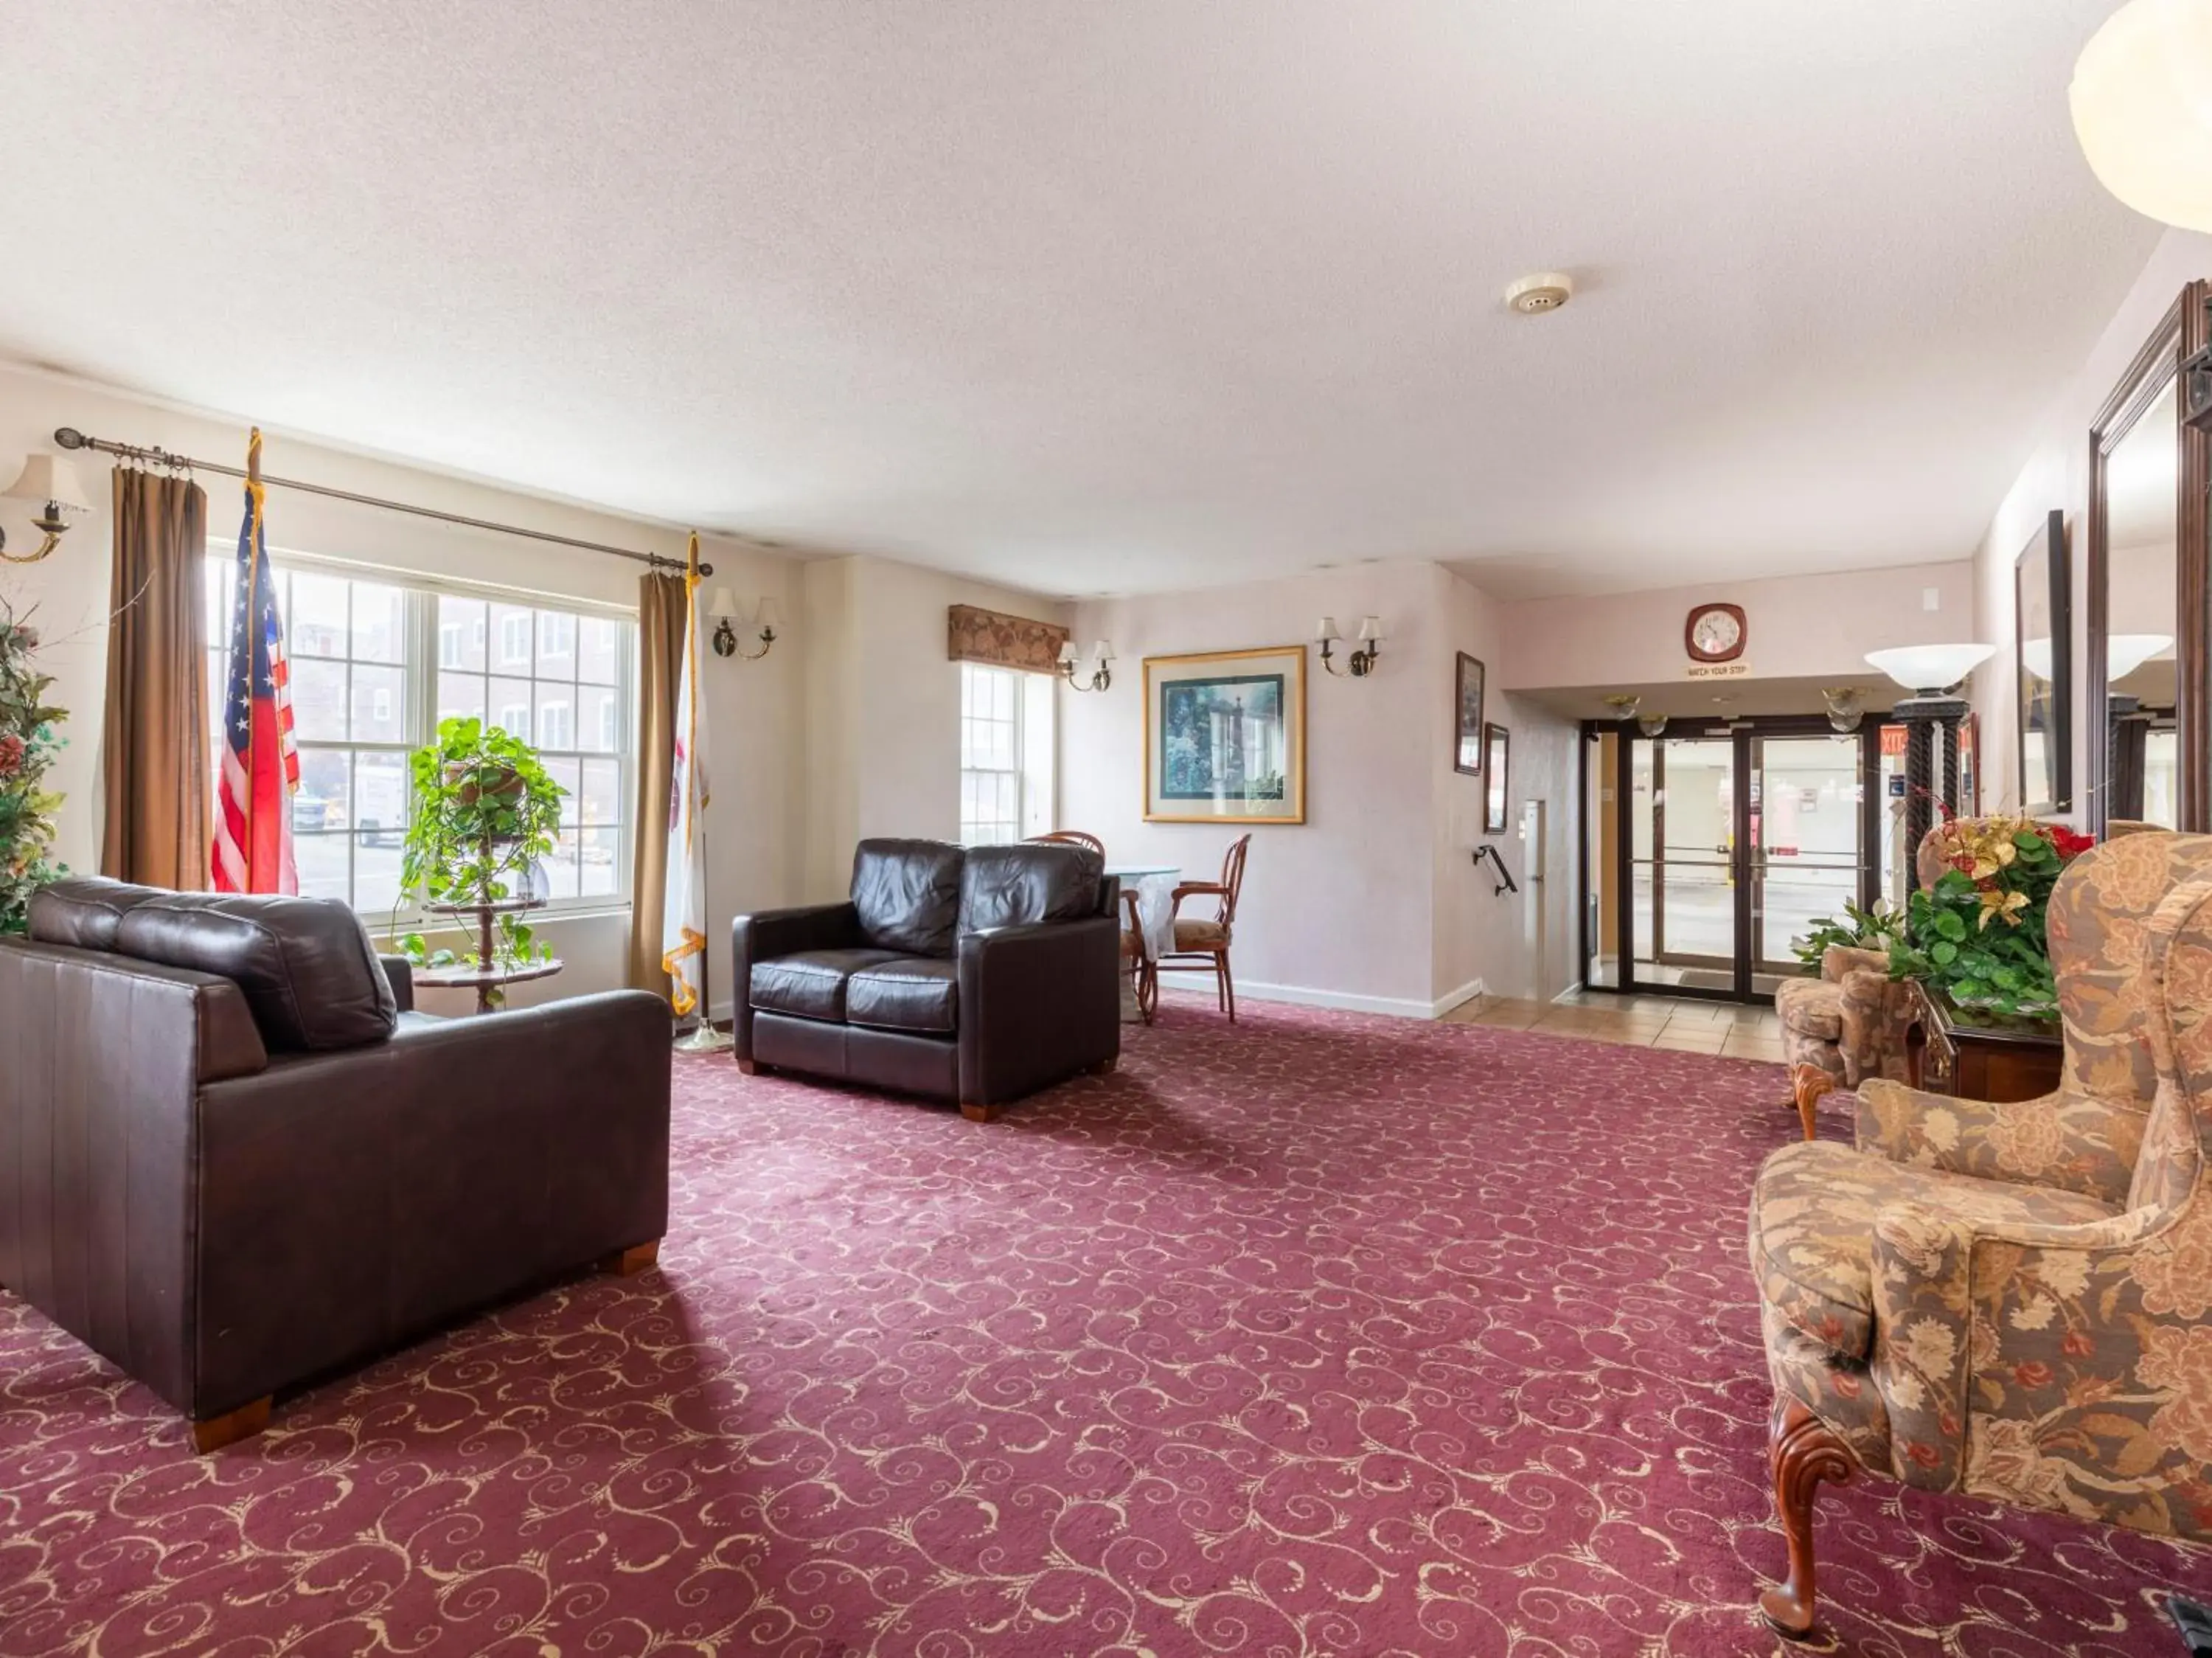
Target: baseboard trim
1304,995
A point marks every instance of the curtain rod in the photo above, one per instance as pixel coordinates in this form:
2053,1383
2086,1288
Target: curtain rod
69,438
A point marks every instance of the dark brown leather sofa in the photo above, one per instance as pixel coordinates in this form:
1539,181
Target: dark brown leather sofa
978,975
232,1158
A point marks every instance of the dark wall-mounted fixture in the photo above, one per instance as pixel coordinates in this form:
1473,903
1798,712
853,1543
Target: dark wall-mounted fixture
1100,677
728,612
1365,654
1505,882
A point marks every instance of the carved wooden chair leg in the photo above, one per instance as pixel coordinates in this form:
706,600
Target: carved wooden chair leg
1805,1451
1808,1083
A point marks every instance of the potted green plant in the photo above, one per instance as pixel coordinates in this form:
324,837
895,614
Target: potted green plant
1857,929
1976,936
28,747
486,810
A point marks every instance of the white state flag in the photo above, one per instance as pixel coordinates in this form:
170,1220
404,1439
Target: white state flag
684,912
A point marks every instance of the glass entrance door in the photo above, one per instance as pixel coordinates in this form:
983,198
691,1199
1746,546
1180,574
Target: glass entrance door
1808,855
1732,840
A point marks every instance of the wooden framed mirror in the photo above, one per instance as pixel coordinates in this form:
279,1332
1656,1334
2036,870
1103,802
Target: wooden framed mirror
2144,701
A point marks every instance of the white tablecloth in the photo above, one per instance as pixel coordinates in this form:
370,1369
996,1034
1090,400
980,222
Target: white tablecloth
1154,885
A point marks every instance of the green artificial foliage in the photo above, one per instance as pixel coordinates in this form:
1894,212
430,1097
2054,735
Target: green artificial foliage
1857,929
28,747
1978,934
485,809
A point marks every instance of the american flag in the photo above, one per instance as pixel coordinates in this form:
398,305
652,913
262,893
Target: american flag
260,761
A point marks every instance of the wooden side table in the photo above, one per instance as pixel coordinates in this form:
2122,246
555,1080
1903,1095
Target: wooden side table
1972,1054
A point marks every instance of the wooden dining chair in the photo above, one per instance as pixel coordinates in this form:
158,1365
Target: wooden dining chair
1142,978
1073,837
1201,943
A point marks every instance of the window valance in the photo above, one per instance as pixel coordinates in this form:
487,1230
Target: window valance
1003,641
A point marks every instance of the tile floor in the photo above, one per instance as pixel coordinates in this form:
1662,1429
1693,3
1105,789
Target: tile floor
1642,1021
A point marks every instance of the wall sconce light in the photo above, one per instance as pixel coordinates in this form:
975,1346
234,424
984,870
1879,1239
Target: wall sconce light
1845,709
728,612
1361,661
1102,674
1623,704
1652,724
49,480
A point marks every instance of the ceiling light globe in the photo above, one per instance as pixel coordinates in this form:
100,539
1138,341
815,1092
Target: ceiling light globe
2141,103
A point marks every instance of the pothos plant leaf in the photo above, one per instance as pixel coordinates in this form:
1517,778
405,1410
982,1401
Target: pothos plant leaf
1978,934
485,810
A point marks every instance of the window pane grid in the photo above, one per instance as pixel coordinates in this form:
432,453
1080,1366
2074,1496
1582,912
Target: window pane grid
376,666
990,755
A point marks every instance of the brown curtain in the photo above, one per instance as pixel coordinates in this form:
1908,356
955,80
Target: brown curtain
660,615
155,764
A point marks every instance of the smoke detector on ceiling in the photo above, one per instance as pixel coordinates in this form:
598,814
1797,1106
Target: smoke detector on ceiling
1547,291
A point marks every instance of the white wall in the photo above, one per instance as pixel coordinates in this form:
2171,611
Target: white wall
883,713
1796,627
752,707
2056,475
1373,902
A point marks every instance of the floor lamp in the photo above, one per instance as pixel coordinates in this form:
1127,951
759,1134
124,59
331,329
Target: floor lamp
1931,716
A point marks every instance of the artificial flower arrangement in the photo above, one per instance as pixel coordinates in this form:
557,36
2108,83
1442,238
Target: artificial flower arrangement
1978,934
28,746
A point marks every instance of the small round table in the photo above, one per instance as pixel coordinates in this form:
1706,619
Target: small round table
489,983
1154,885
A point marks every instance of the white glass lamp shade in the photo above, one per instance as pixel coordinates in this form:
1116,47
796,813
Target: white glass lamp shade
2035,657
2126,652
769,616
1370,630
1104,653
723,606
1068,656
1929,667
48,477
1325,631
2141,102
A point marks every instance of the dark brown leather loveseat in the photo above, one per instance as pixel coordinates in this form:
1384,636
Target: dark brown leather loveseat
232,1158
977,974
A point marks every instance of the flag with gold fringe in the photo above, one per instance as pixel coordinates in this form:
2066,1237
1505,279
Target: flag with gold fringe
684,912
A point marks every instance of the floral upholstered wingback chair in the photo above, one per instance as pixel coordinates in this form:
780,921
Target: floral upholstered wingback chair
1852,1023
2011,1301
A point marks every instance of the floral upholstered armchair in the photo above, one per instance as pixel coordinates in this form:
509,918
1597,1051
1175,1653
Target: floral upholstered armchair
2010,1300
1846,1026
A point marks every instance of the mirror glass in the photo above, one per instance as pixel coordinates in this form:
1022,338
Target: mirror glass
2142,575
2040,601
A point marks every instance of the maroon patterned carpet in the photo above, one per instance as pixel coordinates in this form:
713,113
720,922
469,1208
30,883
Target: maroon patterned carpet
1327,1335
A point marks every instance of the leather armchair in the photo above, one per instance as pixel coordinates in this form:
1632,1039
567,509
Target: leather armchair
230,1182
979,975
2010,1301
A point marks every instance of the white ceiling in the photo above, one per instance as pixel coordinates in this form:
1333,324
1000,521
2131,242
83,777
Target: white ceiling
1093,297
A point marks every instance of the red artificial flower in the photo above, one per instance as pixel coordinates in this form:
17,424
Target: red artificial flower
2066,842
11,754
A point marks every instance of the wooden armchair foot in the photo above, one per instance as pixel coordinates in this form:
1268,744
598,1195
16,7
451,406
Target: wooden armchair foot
975,1113
628,1262
748,1068
1807,1084
1804,1451
247,1420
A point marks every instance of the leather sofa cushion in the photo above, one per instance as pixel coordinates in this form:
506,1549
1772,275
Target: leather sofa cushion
810,983
1020,886
907,894
911,993
84,911
305,964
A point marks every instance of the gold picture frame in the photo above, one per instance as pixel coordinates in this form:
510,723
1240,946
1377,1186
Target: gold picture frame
1225,736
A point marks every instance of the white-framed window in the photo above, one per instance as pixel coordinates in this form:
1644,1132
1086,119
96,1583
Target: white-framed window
1006,764
377,663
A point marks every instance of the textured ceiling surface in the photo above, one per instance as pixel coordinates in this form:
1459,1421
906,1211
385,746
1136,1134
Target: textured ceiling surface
1092,298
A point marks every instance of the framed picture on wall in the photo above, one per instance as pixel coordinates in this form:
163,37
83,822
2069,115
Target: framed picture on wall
2042,614
1496,743
1225,736
1467,702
